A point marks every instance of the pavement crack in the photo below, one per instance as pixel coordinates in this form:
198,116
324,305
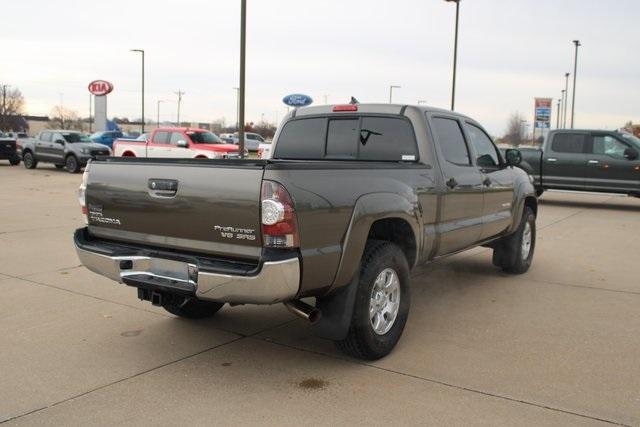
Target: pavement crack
121,380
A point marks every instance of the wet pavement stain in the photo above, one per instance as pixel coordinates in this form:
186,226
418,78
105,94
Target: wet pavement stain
131,333
226,364
313,384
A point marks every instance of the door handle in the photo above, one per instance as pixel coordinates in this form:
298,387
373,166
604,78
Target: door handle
593,162
552,159
163,187
452,183
487,182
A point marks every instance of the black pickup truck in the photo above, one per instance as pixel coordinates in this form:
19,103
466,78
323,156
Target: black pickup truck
585,160
354,197
8,149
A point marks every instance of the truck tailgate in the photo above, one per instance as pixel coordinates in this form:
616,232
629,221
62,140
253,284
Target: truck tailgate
192,205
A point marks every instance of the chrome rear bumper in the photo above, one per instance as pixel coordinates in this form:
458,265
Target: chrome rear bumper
275,281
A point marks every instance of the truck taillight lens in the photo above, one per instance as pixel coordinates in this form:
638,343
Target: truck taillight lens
82,193
279,223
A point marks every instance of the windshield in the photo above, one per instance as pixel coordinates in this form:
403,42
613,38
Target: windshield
633,139
75,137
204,138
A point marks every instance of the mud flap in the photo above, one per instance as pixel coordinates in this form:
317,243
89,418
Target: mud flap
337,310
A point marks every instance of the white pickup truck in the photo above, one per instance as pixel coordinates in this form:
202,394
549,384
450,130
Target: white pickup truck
177,143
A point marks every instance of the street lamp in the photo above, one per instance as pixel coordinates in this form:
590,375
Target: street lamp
243,57
558,115
142,52
391,88
455,55
179,93
566,89
564,95
160,101
575,71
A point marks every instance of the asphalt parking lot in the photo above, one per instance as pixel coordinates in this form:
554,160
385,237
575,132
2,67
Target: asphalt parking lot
557,346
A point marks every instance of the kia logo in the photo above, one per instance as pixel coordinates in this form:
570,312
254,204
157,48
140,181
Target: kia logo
100,87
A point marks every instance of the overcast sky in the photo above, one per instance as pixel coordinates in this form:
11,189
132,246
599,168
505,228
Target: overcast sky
509,53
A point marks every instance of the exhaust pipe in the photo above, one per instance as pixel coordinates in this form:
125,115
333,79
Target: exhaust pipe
303,310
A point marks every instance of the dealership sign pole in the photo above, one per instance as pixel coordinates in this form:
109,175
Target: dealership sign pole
100,89
542,119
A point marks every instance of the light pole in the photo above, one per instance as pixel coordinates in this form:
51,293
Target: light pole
558,115
566,90
455,55
243,57
575,71
563,97
391,88
90,112
160,101
237,89
142,52
179,93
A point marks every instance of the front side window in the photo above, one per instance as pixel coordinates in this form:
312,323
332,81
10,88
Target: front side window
608,145
204,138
486,153
569,143
75,137
175,137
451,140
45,136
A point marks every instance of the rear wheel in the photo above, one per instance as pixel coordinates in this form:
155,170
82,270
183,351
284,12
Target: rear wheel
514,253
71,164
29,160
381,304
192,308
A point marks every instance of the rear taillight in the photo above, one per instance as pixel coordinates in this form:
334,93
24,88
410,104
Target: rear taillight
279,224
82,193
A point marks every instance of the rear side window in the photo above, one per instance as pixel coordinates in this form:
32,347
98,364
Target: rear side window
451,141
569,143
45,136
161,137
387,138
175,137
302,139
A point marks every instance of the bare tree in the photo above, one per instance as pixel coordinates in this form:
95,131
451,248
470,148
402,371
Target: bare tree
64,118
515,133
11,107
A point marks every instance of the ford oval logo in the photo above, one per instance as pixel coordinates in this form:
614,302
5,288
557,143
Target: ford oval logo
297,100
100,87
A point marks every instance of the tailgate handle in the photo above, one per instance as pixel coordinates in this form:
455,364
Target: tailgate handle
163,187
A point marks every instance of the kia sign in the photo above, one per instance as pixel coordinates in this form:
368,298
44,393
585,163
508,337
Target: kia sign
100,87
297,100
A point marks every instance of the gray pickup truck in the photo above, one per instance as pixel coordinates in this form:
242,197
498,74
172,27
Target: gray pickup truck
585,160
354,197
64,148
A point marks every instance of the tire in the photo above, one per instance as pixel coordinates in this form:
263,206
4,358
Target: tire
59,166
380,260
29,160
15,161
512,254
192,308
71,164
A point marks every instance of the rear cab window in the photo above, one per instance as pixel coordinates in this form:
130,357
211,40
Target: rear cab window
359,137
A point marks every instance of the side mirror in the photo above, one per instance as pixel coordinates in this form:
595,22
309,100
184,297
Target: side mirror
630,154
513,157
182,143
59,141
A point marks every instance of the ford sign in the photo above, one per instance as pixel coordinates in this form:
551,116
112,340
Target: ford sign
100,87
297,100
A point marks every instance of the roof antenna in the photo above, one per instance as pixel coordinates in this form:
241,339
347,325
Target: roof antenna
354,101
